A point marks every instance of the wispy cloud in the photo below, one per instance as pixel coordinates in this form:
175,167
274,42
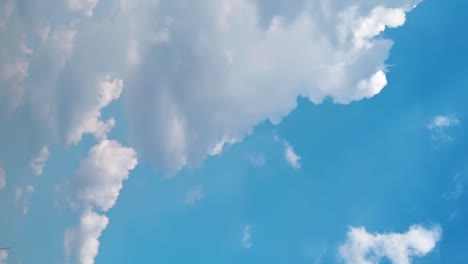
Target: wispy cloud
22,197
194,195
246,237
37,163
457,191
257,160
292,158
439,125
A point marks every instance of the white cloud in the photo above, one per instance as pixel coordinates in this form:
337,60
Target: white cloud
109,89
199,94
221,145
194,76
194,195
54,78
37,164
3,181
439,125
22,197
291,157
375,23
83,240
362,247
100,176
443,121
3,256
96,186
246,237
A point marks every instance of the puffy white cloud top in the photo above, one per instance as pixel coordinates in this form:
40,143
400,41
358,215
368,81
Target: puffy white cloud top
196,73
363,247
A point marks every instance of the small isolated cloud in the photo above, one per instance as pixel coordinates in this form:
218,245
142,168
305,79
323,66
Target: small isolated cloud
2,178
362,247
38,162
22,197
246,237
439,125
257,160
291,157
194,195
3,256
457,190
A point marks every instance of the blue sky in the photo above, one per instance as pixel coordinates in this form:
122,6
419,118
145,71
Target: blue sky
233,131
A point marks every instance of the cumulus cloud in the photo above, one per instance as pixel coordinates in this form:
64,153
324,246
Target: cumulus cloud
194,195
96,187
199,75
90,122
221,71
38,163
439,125
291,157
363,247
83,240
2,178
99,179
246,237
55,80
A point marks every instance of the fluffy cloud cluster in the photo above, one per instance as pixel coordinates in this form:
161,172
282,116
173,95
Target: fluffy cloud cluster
197,73
96,187
54,79
367,248
224,66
